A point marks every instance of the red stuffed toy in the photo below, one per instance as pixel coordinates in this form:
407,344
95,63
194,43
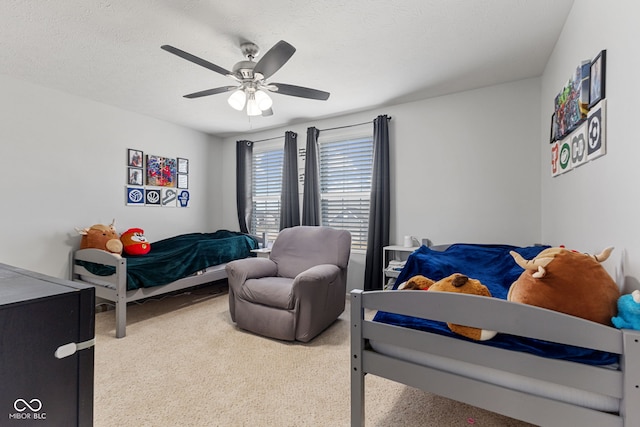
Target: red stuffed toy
134,242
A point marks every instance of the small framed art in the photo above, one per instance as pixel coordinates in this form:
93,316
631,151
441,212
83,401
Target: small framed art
183,180
135,176
135,196
135,158
597,78
183,165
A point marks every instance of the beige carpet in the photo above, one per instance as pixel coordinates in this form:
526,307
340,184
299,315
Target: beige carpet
184,363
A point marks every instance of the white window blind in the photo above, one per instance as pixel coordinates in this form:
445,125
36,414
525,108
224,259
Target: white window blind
267,185
345,185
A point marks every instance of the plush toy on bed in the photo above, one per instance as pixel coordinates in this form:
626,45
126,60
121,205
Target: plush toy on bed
418,282
134,242
628,311
100,236
455,283
569,282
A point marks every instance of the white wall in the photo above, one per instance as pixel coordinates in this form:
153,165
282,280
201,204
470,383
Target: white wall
64,164
464,167
597,204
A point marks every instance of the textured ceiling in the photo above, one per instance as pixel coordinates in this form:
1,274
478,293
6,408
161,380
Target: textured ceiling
367,53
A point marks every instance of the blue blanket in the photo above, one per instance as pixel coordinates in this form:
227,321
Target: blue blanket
496,269
180,256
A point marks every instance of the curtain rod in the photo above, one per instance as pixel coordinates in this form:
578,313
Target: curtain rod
350,126
269,139
335,128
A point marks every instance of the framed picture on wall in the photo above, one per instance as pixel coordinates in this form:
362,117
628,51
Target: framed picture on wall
161,171
183,180
597,75
553,131
135,176
183,165
134,158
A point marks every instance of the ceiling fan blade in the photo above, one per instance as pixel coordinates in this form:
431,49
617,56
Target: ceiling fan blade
267,113
195,59
274,59
302,92
211,91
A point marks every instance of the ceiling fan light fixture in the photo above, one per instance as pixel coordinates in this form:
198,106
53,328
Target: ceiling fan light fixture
252,105
237,99
251,95
264,100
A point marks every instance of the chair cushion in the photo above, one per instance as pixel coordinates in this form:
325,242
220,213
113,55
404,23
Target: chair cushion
270,291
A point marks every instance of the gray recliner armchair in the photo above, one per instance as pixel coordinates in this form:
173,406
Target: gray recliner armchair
298,291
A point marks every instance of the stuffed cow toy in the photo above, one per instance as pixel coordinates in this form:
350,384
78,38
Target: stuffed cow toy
567,281
100,236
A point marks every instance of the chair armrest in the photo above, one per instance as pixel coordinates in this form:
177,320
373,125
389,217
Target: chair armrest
319,295
322,274
251,268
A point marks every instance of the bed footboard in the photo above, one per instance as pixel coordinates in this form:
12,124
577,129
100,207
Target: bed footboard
621,385
111,288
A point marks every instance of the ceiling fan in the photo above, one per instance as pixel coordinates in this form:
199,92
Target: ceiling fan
251,77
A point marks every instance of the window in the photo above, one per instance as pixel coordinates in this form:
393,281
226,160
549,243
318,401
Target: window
345,185
267,185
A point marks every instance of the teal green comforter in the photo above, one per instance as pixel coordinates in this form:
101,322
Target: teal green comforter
180,256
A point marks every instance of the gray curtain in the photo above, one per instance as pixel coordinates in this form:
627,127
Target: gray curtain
379,210
311,194
289,199
244,196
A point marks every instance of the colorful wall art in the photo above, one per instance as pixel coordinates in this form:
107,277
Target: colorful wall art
161,171
577,131
159,181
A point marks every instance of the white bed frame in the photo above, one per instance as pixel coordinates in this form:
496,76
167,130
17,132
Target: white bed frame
622,384
114,288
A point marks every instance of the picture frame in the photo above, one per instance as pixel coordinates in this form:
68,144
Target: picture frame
597,78
597,131
183,180
553,129
135,196
135,176
169,197
153,197
183,165
134,158
161,171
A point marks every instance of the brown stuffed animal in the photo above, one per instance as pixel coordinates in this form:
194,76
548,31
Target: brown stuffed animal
417,283
455,283
100,236
569,282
